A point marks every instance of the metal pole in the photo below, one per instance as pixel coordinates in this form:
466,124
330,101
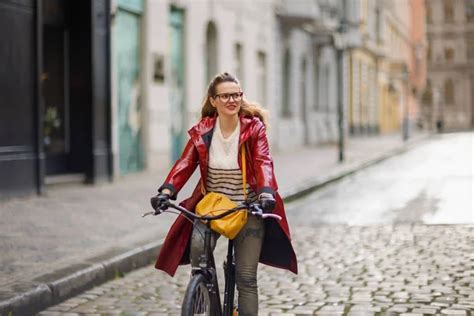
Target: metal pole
340,103
340,86
406,126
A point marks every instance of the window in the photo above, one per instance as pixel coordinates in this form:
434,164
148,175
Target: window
316,83
302,84
428,94
286,112
211,52
449,54
429,14
448,11
262,78
378,26
325,87
449,92
239,63
469,10
428,52
470,49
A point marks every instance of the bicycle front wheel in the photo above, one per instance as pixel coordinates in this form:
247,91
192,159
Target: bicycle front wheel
197,300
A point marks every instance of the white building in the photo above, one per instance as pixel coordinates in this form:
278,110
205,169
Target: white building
195,40
306,75
282,51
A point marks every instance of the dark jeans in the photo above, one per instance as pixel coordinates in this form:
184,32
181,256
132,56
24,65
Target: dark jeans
247,247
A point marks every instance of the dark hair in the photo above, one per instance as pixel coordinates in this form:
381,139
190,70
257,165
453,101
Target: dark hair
246,108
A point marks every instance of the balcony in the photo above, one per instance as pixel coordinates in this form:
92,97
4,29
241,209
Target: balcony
297,13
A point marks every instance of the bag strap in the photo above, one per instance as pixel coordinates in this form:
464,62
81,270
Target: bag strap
244,172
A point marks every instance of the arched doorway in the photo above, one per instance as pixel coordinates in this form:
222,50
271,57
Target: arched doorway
177,89
211,62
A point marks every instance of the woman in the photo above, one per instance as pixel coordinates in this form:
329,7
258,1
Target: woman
227,122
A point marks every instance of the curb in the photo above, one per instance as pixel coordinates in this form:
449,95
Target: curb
60,285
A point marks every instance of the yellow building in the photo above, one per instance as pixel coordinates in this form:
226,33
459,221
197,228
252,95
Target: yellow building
380,94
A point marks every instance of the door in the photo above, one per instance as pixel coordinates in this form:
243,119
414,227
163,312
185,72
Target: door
55,88
178,110
303,114
20,153
472,101
127,62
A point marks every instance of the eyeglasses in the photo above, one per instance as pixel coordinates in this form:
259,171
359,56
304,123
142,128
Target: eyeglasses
225,97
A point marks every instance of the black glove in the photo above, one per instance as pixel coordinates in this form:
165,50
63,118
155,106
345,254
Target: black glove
268,202
160,202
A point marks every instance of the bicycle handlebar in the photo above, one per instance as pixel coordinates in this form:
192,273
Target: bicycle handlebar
253,208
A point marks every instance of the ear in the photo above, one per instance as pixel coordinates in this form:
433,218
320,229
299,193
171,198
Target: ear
213,101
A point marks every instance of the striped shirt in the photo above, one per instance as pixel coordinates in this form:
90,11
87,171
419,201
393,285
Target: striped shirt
224,175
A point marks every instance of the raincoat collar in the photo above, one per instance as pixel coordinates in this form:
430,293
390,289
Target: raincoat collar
202,131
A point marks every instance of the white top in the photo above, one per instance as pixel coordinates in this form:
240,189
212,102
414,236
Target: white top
224,174
223,151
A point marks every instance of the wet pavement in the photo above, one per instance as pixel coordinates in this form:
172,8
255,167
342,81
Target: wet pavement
431,184
394,239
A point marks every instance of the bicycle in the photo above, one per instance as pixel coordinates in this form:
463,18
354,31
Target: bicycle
202,295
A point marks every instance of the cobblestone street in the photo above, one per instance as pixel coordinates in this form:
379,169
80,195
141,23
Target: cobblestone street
343,270
394,239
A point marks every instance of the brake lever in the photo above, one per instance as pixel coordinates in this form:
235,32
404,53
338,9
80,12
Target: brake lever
150,213
257,210
260,213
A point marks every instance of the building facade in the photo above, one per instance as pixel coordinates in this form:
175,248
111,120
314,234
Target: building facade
188,42
307,76
55,94
386,66
114,88
418,62
365,17
449,99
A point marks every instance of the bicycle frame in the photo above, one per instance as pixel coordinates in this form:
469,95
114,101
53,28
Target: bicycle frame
229,272
207,267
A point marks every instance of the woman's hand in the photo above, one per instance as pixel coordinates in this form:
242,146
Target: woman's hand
160,202
267,201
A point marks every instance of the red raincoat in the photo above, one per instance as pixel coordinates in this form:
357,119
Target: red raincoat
277,250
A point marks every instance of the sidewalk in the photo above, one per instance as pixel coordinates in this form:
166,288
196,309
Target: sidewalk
55,246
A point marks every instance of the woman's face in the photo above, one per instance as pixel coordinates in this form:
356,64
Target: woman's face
228,99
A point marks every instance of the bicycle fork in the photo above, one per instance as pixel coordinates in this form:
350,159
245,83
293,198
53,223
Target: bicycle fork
229,272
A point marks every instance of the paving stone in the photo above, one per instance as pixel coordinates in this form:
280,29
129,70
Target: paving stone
425,311
332,308
365,270
453,312
304,310
397,309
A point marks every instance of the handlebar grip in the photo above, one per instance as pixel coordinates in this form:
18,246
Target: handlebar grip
275,216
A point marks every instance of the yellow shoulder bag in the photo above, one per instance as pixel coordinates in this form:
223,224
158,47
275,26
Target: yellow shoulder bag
215,203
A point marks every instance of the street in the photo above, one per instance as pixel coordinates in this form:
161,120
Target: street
432,184
394,238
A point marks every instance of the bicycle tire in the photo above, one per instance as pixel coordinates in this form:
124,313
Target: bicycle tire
197,299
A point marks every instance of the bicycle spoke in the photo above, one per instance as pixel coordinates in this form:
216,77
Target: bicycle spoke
201,301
